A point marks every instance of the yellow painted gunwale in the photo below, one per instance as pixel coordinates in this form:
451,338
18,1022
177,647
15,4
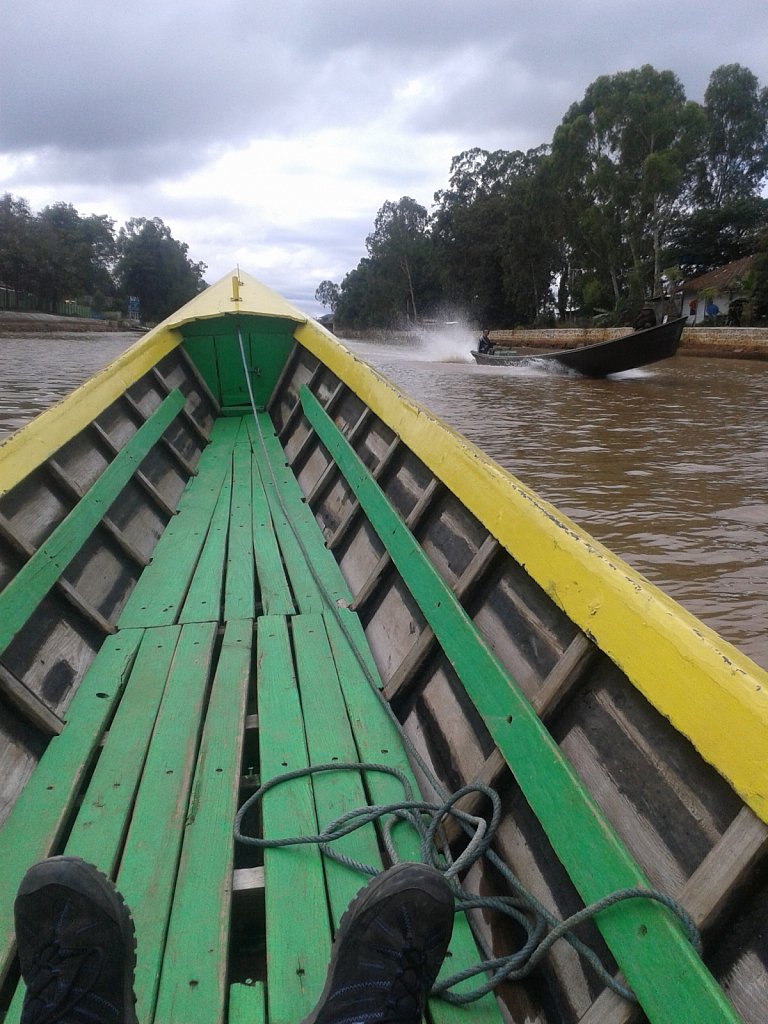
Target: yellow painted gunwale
710,691
29,447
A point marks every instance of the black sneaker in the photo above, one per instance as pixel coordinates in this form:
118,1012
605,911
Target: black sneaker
76,946
389,948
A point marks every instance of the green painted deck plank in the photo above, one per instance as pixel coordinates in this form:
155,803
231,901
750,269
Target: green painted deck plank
378,741
150,858
307,593
273,584
240,584
102,821
297,957
33,581
193,984
34,826
668,977
204,597
246,1004
162,587
329,738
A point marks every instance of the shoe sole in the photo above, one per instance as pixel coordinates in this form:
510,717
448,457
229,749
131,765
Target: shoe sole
85,879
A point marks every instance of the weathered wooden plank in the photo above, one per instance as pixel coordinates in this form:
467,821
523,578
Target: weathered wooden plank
273,585
329,739
408,669
163,586
239,586
193,984
33,581
379,741
29,704
659,962
102,821
203,600
413,518
246,1004
141,478
297,958
297,458
353,510
331,472
38,817
64,480
150,858
705,895
287,502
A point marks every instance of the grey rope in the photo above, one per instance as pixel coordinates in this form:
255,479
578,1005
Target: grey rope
542,927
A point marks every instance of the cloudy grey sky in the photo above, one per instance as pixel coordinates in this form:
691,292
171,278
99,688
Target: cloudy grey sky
269,134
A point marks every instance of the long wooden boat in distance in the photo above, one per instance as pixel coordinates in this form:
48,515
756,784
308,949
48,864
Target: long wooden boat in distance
239,552
639,348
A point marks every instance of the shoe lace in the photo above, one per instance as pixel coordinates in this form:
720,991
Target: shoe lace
62,979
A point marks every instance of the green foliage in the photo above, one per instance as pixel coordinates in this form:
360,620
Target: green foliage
154,266
57,255
637,178
327,293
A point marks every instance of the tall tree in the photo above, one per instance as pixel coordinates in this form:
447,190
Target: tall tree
724,213
734,161
623,154
400,249
154,266
16,227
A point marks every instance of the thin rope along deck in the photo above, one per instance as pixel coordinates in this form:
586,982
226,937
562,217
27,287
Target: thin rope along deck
543,929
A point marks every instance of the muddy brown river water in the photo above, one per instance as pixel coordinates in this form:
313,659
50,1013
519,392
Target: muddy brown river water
667,466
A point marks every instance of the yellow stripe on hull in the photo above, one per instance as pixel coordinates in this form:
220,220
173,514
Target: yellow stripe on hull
710,692
30,446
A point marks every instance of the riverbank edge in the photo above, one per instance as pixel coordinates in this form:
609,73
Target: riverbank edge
722,342
12,324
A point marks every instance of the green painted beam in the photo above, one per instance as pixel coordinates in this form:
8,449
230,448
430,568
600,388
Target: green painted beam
38,818
151,855
273,584
294,884
240,584
280,484
162,588
102,821
329,738
666,974
193,984
246,1004
34,580
204,597
378,741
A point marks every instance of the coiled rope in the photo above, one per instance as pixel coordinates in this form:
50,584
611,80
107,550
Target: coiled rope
542,928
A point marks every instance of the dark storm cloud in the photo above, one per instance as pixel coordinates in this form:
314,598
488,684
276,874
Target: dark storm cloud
126,78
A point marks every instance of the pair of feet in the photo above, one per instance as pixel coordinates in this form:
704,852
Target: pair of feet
78,951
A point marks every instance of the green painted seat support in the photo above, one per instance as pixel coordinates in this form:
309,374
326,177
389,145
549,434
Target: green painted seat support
666,974
33,581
